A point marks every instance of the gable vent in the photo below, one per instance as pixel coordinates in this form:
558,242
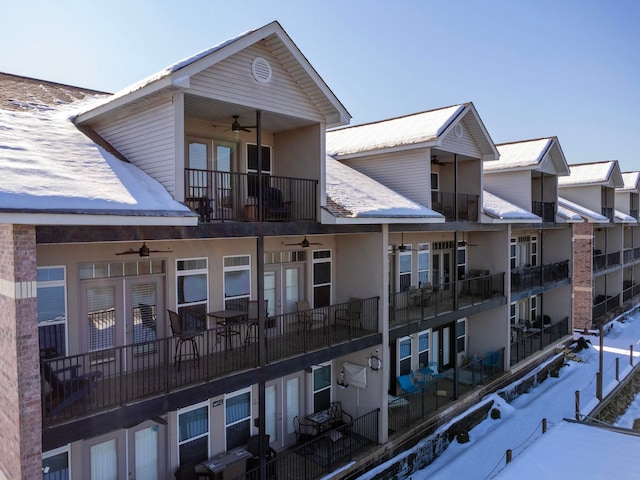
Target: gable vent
261,70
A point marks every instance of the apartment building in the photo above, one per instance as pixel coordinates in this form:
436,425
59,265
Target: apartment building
209,268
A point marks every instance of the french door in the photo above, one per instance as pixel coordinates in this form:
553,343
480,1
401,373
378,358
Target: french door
283,404
283,287
120,312
442,266
443,346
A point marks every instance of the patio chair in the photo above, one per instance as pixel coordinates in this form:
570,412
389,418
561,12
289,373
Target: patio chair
350,315
407,385
340,418
253,447
304,432
273,206
183,336
490,362
67,387
307,317
435,370
420,382
252,320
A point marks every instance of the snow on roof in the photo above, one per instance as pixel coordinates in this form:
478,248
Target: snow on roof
631,182
588,173
408,130
623,217
49,166
501,209
589,215
527,153
568,215
362,196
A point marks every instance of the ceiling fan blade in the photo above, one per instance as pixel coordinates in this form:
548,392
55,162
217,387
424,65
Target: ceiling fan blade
160,251
128,252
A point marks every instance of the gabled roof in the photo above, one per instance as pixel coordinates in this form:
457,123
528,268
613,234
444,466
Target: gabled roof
53,174
423,129
536,154
177,75
589,215
598,173
500,209
622,217
631,182
353,197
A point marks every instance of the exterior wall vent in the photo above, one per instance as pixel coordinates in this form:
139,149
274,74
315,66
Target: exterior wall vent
457,130
261,70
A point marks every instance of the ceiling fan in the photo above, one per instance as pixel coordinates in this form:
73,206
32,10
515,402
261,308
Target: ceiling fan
435,161
304,243
236,127
464,243
143,251
402,247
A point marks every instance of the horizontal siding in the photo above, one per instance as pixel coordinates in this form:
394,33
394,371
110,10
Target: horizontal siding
231,80
407,174
464,145
514,187
147,139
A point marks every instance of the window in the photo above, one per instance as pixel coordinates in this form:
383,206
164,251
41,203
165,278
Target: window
321,388
435,181
423,349
52,311
513,253
192,291
238,418
237,281
461,331
193,433
404,266
55,464
534,251
423,264
404,355
533,303
321,278
462,262
513,313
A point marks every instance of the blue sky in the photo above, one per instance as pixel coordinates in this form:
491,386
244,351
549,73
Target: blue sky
569,68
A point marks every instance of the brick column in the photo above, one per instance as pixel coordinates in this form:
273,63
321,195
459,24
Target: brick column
20,416
582,278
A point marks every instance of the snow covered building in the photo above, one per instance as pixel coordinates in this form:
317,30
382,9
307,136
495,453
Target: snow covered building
526,175
598,238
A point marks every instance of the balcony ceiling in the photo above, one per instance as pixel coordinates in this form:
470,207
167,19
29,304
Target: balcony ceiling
221,113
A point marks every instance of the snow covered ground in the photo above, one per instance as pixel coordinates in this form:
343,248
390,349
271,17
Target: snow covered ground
566,450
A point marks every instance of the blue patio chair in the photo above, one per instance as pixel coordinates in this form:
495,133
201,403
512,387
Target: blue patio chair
407,385
420,382
433,366
491,361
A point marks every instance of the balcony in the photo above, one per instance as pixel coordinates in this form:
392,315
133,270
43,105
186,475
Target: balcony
129,374
220,196
527,278
528,341
602,261
445,203
629,290
631,254
416,305
603,305
633,213
545,210
608,212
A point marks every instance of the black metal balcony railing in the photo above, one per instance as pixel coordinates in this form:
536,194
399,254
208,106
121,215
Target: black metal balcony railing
216,195
630,290
527,278
416,305
602,261
604,304
608,212
631,254
545,210
324,453
135,372
406,408
531,341
445,203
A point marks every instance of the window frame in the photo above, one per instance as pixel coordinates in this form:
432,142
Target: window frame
65,449
403,273
55,284
426,352
424,249
196,305
230,300
227,397
402,359
207,434
316,260
328,386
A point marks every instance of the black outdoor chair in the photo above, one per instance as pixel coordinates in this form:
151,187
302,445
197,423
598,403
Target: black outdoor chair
67,386
304,432
183,336
274,207
253,447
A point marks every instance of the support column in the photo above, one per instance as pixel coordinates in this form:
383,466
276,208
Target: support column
21,416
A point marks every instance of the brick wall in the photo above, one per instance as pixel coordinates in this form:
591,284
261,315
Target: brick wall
20,416
582,275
